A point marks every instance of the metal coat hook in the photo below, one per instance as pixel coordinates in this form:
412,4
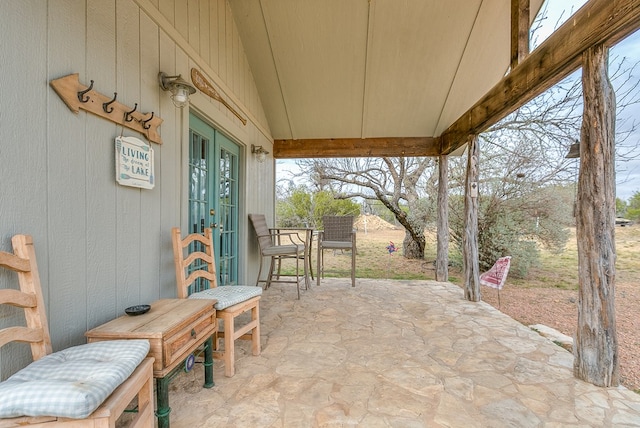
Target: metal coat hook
127,115
105,106
77,97
81,97
144,122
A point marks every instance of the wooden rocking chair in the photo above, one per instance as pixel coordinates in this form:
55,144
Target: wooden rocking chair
88,385
197,279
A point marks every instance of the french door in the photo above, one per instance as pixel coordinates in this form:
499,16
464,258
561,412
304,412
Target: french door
213,194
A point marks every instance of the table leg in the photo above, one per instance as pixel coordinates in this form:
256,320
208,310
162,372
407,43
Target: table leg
310,231
162,384
162,400
208,363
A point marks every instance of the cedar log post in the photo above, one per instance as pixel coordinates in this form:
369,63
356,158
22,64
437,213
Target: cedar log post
442,253
596,347
520,10
470,238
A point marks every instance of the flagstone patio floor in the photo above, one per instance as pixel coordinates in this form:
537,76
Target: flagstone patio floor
395,354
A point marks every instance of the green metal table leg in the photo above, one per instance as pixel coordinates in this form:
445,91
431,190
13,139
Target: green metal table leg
162,384
208,363
162,391
163,409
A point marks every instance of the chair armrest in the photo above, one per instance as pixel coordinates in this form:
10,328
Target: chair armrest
276,232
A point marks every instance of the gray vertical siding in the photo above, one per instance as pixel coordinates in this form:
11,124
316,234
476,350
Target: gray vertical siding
128,199
66,183
102,247
101,195
150,201
23,141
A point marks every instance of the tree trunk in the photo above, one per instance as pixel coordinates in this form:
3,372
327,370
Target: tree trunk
413,246
596,347
470,238
442,252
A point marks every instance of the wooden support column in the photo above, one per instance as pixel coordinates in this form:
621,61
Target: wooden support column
519,31
442,252
470,238
596,347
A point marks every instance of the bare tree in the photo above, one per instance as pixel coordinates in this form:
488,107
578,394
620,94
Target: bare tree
400,184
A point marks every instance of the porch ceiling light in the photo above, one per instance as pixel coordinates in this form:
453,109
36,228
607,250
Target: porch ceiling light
260,152
180,89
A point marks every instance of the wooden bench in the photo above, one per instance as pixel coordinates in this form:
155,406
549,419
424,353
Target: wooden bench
29,395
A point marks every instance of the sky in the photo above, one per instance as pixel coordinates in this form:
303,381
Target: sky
627,167
628,172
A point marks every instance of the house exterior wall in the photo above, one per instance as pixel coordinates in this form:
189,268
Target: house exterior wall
102,247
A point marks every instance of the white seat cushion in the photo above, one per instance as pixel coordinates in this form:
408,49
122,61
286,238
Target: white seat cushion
73,382
336,244
284,250
228,295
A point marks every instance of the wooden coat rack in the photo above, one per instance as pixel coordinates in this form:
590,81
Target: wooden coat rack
78,96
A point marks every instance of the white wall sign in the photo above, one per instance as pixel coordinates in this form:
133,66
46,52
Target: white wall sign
134,163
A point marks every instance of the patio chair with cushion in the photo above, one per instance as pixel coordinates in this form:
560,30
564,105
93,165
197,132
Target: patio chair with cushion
278,246
88,385
197,279
337,234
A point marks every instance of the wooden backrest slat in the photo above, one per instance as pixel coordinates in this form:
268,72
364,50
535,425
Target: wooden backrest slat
198,255
182,263
13,262
194,237
17,298
199,274
29,298
20,334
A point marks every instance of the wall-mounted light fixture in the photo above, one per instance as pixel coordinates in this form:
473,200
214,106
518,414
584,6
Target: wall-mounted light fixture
180,88
260,152
574,151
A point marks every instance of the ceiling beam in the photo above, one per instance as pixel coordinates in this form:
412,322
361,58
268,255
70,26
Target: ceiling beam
519,31
356,147
597,22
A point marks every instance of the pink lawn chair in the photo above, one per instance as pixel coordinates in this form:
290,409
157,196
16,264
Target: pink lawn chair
497,275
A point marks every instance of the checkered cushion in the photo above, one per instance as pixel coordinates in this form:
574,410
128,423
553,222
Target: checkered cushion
228,295
73,382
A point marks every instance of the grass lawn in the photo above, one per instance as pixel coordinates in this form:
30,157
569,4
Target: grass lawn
554,271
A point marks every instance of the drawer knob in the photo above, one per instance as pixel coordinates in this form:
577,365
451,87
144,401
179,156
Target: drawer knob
193,333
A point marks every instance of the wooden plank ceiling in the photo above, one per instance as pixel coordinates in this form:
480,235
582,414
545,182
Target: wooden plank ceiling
375,77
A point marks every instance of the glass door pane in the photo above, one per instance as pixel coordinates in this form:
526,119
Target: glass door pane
213,194
228,210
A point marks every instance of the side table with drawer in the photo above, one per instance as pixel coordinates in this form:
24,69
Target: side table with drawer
174,328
